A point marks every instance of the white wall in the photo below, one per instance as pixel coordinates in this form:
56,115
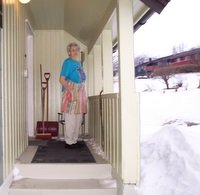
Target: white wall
50,51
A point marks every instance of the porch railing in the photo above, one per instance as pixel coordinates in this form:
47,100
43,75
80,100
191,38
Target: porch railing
104,126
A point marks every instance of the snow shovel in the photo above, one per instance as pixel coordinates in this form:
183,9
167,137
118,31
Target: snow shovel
42,134
52,126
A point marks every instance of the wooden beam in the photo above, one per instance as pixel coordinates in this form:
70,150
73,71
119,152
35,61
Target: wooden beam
156,5
1,14
102,24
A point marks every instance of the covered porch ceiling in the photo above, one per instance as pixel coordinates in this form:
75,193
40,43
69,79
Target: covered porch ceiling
84,19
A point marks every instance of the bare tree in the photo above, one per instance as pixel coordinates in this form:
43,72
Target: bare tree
141,59
165,74
179,48
166,79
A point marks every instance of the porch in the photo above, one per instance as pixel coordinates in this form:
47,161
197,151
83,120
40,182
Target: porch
33,177
37,33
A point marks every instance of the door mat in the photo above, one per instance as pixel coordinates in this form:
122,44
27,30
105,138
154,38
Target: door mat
55,152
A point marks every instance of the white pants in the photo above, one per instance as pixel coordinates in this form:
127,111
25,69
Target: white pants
72,127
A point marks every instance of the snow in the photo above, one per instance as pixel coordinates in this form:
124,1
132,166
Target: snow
170,136
96,148
108,183
16,174
169,165
190,82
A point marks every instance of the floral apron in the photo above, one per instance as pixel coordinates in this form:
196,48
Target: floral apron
74,101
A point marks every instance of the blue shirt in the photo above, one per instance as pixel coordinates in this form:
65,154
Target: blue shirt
73,71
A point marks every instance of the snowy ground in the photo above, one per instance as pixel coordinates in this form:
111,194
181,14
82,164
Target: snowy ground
170,137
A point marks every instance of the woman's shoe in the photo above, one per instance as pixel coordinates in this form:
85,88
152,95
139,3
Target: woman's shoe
68,146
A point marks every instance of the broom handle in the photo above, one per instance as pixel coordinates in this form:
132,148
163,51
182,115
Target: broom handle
47,77
44,86
41,80
43,99
42,94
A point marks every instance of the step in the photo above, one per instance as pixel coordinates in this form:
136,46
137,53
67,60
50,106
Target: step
63,187
64,171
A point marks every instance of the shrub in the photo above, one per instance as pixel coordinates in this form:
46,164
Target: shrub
189,68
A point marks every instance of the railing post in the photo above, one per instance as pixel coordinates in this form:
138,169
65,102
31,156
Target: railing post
129,112
107,61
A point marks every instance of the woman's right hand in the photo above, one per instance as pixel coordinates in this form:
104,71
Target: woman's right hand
67,85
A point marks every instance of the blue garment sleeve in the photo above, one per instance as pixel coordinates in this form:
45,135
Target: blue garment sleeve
66,69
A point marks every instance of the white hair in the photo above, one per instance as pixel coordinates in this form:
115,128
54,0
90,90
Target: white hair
73,44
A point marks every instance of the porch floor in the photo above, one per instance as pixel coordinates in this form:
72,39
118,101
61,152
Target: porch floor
62,178
28,156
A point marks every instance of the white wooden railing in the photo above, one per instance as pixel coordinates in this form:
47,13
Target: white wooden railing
104,128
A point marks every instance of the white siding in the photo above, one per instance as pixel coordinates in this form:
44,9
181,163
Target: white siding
13,83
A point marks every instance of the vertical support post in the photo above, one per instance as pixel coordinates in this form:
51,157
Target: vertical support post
107,61
129,112
90,77
98,81
1,110
85,63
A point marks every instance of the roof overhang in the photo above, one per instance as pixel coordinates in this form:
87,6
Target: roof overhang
84,20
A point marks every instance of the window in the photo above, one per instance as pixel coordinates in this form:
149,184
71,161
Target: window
182,58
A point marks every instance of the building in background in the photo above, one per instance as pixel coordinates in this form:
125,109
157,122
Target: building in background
186,58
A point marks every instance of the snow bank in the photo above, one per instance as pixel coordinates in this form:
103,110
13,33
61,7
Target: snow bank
170,136
168,165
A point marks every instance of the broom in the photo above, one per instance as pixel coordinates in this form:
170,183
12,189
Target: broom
47,77
43,135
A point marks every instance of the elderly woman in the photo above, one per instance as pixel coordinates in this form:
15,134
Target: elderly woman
72,78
